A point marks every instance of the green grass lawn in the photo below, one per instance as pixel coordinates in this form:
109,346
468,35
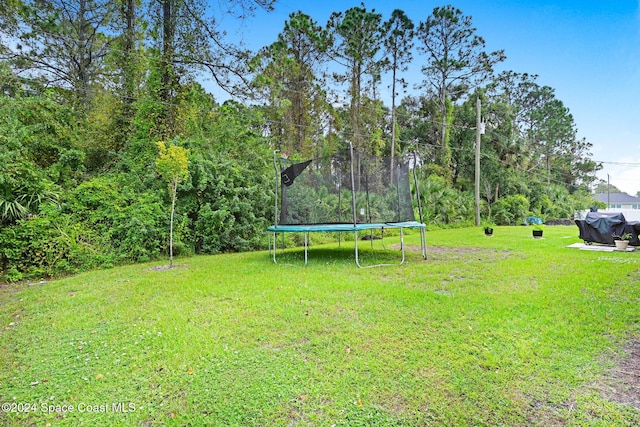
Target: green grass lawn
506,330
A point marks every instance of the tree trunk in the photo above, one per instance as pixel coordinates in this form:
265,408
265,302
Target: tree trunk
443,126
393,122
166,91
83,58
129,43
174,192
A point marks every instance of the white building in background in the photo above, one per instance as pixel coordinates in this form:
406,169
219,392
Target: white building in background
618,200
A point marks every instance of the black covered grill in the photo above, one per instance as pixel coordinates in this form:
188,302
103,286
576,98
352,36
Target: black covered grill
600,227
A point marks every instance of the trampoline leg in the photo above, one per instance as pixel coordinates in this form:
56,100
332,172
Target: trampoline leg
378,265
423,242
282,252
355,235
275,246
306,246
402,244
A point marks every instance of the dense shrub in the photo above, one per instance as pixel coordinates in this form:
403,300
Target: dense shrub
133,224
554,201
510,210
49,245
444,205
229,203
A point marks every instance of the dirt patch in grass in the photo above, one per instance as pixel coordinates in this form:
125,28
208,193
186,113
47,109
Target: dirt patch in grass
7,289
448,253
443,249
622,382
166,267
160,268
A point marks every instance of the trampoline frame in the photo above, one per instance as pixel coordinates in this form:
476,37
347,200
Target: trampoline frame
341,228
353,227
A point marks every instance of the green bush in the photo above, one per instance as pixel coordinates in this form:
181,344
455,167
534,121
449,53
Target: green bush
444,205
229,203
134,224
49,245
510,210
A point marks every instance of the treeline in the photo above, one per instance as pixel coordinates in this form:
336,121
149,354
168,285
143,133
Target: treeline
89,87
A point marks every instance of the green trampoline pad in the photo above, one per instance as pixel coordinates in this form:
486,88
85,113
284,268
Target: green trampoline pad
327,228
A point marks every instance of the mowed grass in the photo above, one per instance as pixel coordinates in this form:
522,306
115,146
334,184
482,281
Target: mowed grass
506,330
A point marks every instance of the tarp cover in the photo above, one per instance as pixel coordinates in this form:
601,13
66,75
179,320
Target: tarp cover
604,222
600,227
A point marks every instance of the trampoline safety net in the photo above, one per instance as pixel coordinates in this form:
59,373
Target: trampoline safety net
319,191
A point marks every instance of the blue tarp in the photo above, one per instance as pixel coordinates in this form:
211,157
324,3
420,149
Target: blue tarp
533,220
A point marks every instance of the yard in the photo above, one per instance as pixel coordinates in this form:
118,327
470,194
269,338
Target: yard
506,330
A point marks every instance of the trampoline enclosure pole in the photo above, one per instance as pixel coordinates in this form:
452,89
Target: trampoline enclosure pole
275,196
423,232
397,186
415,180
353,205
353,187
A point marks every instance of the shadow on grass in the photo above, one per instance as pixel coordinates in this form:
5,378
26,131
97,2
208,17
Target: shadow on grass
345,255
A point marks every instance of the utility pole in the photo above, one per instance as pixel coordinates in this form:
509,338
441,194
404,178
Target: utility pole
608,192
479,131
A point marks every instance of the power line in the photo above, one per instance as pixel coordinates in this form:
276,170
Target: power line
629,164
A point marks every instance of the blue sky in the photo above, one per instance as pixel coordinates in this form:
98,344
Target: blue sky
588,51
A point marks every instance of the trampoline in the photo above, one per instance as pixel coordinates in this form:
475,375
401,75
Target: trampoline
346,192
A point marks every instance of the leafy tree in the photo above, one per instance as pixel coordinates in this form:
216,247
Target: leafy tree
289,79
358,37
553,131
603,187
173,166
127,45
533,135
63,42
186,41
8,19
126,66
510,98
455,63
398,41
462,142
187,36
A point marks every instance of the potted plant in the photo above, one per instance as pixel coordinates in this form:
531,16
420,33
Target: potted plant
622,241
488,228
537,231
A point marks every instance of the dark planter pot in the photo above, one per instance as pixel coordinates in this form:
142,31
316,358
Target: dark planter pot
488,231
537,234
